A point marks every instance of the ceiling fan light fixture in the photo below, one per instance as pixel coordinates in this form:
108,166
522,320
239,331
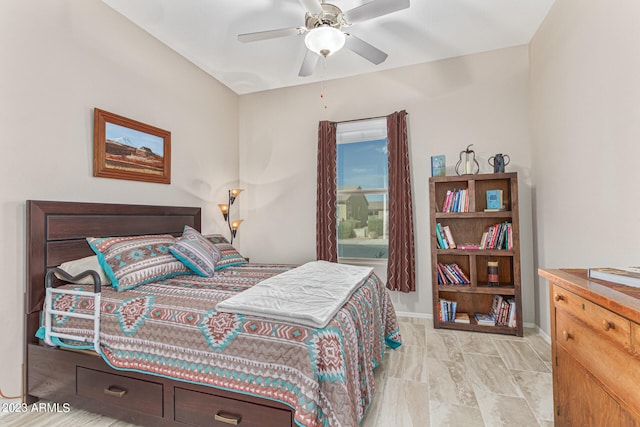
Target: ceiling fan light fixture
325,40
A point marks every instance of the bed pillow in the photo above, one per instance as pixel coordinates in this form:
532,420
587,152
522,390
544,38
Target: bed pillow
196,252
136,260
216,238
77,266
229,255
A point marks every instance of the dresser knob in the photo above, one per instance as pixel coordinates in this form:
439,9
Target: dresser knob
566,335
559,297
606,325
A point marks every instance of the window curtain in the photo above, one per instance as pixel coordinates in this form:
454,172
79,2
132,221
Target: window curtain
326,221
401,259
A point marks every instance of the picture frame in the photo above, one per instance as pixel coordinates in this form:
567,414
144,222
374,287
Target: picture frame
127,149
438,165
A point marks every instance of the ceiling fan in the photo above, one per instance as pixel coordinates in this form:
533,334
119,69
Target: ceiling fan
324,30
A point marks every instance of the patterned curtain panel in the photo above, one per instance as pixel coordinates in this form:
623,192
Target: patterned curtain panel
326,222
401,261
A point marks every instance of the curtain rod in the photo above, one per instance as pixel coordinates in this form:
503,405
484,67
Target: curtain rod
368,118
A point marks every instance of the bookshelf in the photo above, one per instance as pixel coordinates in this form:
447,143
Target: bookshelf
467,224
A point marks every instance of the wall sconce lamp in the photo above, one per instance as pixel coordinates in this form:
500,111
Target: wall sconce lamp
224,208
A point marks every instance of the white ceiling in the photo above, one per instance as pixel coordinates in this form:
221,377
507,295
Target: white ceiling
205,32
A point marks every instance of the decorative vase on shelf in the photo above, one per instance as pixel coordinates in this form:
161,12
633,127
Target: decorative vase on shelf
467,165
499,161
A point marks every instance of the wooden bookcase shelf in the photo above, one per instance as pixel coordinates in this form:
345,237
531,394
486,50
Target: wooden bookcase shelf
467,229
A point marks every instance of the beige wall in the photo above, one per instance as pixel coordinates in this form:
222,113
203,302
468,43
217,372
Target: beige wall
60,59
585,121
479,99
565,109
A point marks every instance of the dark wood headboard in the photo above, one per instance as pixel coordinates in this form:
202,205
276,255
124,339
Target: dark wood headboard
56,233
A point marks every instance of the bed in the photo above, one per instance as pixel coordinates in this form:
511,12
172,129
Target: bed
209,391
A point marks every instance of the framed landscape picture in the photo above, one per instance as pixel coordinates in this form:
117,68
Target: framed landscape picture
127,149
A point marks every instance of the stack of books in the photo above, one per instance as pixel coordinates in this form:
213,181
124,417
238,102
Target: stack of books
456,201
444,237
485,319
447,310
503,310
629,276
462,318
451,274
498,236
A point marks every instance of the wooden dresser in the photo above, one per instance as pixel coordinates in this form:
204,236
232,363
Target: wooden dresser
595,343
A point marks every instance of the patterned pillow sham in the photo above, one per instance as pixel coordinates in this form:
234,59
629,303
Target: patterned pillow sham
196,252
136,260
216,238
229,255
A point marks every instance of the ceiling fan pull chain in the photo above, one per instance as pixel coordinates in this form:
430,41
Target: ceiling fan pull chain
323,64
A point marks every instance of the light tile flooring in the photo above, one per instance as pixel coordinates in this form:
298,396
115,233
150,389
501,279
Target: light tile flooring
452,378
436,378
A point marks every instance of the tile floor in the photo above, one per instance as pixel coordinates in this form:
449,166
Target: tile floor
452,378
436,378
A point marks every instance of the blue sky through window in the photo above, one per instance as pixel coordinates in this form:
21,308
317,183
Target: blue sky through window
363,163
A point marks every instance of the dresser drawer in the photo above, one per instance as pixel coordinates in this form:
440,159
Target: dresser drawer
121,391
602,321
616,368
203,409
635,337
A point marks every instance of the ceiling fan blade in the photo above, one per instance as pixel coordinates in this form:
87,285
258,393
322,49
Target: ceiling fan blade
364,49
308,64
271,34
313,6
375,8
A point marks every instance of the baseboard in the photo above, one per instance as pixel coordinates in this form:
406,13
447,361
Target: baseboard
412,314
540,332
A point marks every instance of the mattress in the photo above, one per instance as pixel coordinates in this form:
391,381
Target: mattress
172,328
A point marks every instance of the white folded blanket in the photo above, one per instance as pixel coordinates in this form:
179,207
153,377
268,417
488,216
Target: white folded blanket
309,295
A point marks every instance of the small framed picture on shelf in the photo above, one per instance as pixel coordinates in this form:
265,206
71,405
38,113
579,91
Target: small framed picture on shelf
438,165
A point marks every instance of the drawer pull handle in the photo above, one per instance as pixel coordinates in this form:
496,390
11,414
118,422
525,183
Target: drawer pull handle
227,418
606,325
115,391
559,297
566,335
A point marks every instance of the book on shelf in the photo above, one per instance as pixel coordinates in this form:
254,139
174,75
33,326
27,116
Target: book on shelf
462,318
512,313
494,199
449,237
486,319
456,201
440,237
495,304
469,247
629,276
438,165
444,237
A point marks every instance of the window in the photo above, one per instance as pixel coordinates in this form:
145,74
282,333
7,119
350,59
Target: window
362,189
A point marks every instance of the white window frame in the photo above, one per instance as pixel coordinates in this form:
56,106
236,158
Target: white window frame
362,131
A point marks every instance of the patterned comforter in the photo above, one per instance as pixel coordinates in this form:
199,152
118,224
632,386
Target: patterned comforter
171,328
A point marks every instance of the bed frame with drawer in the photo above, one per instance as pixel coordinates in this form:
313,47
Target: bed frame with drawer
56,233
